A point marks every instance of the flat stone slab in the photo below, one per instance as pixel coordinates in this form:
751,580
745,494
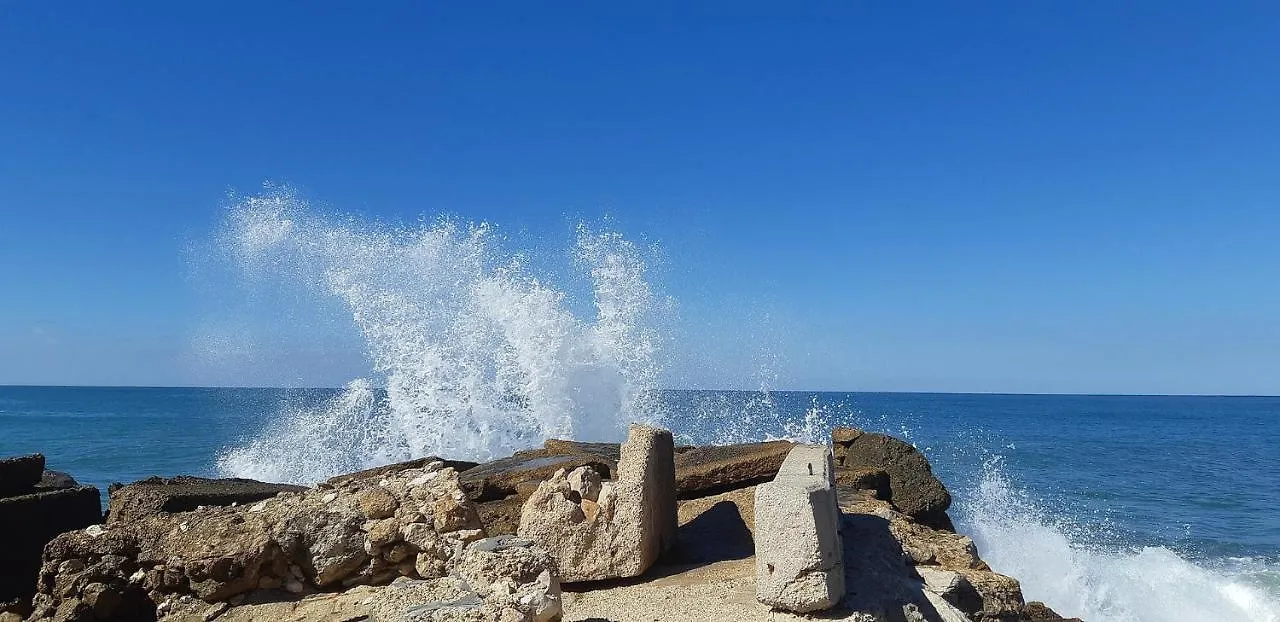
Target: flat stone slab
703,471
28,522
497,480
416,463
185,493
21,474
799,551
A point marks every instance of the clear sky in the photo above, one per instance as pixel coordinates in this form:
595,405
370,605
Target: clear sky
1003,196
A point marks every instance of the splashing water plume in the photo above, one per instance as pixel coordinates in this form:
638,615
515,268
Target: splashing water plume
478,357
1102,584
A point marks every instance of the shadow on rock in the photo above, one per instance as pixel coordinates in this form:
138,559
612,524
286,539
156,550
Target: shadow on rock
879,579
718,534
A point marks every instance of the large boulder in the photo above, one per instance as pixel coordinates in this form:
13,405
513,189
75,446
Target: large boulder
412,523
20,474
28,522
914,490
184,493
799,555
605,530
703,471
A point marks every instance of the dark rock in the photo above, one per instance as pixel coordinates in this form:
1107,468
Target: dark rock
913,488
185,493
417,463
497,480
502,516
704,471
21,474
28,522
864,478
56,480
1036,611
606,451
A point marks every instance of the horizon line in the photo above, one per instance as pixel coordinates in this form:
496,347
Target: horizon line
688,389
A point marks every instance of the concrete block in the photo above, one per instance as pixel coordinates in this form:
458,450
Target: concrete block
799,552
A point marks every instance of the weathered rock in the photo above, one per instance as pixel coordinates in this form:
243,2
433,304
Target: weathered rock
503,478
416,463
864,478
913,488
29,521
503,515
799,565
183,493
1036,611
317,539
1001,596
21,474
623,532
609,452
952,586
702,471
512,573
56,480
716,528
494,580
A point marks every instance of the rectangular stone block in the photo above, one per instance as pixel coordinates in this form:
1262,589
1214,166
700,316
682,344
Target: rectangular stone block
799,553
20,475
28,522
607,530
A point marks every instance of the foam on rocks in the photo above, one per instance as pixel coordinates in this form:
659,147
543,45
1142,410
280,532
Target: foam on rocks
607,530
799,559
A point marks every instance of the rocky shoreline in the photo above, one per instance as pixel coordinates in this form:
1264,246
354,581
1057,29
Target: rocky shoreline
643,531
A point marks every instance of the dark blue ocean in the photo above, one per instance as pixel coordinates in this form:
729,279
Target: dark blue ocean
1107,507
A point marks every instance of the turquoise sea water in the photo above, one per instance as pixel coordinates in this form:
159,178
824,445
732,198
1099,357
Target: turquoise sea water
1111,508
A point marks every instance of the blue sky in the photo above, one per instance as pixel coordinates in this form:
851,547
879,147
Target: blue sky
1020,197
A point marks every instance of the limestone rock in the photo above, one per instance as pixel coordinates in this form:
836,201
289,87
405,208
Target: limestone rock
799,554
417,463
180,494
29,521
702,471
318,539
913,488
623,532
502,478
512,573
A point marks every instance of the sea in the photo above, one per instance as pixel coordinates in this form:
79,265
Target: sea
1111,508
477,343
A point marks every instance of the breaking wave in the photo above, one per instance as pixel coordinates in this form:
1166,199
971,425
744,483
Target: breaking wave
1060,563
471,355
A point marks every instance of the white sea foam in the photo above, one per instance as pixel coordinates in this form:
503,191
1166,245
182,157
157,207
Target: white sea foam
478,357
1056,563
